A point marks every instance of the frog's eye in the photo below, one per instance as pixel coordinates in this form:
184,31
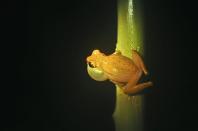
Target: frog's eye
95,52
91,65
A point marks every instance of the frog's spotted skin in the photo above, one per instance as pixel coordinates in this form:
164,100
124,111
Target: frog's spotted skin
119,69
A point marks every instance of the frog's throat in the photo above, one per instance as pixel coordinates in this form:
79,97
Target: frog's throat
96,74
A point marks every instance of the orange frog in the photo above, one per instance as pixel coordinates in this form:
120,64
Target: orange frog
119,69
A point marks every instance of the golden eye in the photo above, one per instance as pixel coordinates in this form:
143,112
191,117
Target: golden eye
91,65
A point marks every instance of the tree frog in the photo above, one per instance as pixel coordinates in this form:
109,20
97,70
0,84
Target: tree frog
119,69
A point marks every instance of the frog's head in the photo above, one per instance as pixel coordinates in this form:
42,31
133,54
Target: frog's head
95,58
93,66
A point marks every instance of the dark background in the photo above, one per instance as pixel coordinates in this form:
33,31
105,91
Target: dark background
45,85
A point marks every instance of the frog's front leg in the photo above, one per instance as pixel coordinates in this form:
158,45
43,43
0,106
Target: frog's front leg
138,61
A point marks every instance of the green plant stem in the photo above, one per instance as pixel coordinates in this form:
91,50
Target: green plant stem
128,111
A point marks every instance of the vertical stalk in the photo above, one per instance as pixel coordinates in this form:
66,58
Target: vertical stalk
128,112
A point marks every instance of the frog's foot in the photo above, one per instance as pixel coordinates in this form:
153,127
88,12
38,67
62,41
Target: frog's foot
137,88
117,52
133,99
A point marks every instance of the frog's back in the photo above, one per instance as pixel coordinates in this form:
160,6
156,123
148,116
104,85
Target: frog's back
119,67
121,61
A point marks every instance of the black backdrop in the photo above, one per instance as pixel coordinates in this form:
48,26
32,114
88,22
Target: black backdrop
45,85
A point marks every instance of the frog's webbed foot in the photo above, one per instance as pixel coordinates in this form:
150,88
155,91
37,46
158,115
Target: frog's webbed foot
137,88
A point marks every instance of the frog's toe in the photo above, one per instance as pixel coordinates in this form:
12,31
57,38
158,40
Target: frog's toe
118,52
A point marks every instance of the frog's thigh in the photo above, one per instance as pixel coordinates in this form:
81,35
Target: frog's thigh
137,88
134,79
138,61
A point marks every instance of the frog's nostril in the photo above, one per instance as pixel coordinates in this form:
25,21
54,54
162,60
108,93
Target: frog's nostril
90,65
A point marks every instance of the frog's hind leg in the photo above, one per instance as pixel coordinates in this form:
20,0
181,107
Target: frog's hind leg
138,61
137,88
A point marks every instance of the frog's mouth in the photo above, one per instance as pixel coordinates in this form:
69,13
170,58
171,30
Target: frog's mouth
96,73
